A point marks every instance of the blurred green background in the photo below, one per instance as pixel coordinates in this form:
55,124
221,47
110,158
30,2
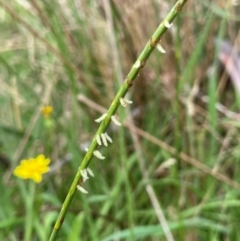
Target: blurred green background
74,55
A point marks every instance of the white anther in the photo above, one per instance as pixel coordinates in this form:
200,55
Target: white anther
104,139
161,49
137,64
90,172
101,118
84,175
115,121
81,189
108,137
167,24
125,102
98,139
98,154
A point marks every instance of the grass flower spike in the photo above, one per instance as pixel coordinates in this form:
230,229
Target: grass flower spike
32,168
47,111
105,118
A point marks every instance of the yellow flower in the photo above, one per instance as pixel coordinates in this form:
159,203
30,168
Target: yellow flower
47,110
32,168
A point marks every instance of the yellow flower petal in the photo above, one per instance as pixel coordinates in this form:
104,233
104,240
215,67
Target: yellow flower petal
33,168
37,178
47,110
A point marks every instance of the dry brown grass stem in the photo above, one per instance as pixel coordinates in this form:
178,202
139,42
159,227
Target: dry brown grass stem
55,51
149,189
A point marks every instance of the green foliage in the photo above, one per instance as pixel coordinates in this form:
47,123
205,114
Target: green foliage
86,48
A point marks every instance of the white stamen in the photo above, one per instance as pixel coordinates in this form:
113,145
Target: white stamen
98,154
167,24
81,189
108,137
161,49
115,121
101,118
137,64
90,172
122,102
104,140
98,139
84,174
128,101
125,102
86,149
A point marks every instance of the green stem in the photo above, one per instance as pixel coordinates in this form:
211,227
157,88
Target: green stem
29,211
146,52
